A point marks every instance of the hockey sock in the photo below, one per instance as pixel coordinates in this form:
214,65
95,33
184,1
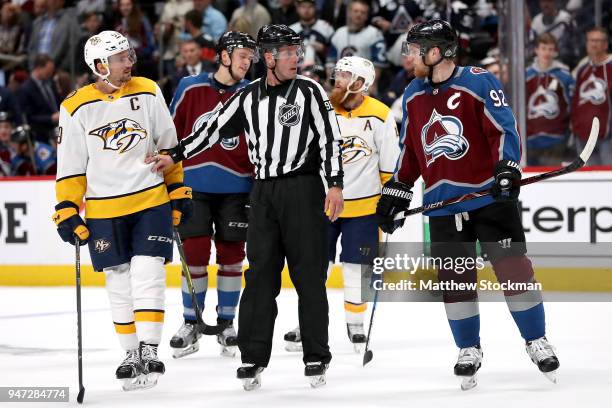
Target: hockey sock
148,279
464,321
119,292
354,308
229,282
230,255
199,278
197,254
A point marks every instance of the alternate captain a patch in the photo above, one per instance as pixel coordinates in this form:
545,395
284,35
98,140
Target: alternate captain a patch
121,135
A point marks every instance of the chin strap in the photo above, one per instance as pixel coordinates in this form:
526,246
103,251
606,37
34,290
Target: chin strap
229,68
273,69
431,67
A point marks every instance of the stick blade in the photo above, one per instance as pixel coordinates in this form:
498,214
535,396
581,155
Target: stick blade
367,357
81,395
591,142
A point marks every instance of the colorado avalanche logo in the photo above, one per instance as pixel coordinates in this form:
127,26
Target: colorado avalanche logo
354,149
227,143
543,104
443,136
122,135
593,90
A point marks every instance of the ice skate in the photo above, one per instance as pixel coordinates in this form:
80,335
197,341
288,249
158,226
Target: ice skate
185,341
129,371
357,336
250,374
543,355
468,364
227,339
315,372
293,340
152,367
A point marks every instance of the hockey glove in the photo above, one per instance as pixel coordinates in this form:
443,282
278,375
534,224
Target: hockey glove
395,198
69,223
180,199
507,176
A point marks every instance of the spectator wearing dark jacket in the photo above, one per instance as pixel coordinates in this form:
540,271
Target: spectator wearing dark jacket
39,100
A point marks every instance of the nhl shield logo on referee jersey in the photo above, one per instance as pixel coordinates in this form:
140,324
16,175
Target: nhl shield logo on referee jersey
288,114
443,136
121,135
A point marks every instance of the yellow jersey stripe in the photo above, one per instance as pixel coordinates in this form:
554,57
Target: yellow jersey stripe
360,206
174,174
117,206
71,188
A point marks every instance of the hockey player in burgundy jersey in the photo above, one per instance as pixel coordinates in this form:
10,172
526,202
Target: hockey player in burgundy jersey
459,134
221,179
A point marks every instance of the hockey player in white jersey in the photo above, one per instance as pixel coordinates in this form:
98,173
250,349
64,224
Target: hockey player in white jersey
370,149
106,130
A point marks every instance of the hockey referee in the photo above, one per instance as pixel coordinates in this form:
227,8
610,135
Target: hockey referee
292,133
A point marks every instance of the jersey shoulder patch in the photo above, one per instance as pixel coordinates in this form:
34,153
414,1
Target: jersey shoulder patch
478,70
80,97
140,85
374,107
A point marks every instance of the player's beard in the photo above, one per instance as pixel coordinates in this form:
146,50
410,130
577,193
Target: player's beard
336,96
421,70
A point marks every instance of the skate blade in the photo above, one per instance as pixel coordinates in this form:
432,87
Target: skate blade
293,346
467,383
317,381
142,382
228,351
250,384
552,376
182,352
359,347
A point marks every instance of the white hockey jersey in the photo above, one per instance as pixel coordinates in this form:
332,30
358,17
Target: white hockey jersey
367,43
103,140
370,149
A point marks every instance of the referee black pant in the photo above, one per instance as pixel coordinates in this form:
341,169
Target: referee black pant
286,220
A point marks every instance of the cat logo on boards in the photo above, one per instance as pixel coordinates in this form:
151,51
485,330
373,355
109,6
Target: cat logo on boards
122,135
354,149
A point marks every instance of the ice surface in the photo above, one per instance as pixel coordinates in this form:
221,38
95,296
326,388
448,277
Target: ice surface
412,367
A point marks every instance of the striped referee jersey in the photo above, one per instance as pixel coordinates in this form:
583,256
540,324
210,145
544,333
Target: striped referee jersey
291,129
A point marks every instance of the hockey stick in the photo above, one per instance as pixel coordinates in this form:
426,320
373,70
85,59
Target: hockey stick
573,166
77,267
202,327
369,354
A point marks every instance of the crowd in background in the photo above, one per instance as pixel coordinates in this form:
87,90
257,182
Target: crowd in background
42,41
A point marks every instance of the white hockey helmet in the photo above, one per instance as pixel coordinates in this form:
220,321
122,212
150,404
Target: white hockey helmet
359,68
102,46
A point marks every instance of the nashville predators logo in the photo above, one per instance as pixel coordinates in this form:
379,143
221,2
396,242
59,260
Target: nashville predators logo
101,245
122,135
354,149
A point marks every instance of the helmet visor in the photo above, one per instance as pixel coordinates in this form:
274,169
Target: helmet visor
124,57
410,49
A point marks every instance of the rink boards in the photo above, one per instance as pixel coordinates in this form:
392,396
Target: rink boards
574,208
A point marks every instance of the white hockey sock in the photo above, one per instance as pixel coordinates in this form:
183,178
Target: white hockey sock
119,292
148,278
354,308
